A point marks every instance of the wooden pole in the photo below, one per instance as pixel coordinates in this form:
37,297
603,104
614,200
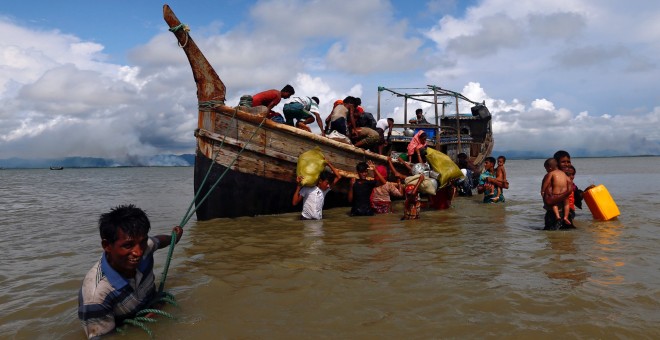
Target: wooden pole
458,128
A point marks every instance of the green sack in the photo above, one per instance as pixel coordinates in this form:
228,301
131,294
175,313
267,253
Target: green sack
443,165
310,165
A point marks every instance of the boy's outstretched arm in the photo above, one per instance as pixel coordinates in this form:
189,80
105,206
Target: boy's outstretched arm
334,171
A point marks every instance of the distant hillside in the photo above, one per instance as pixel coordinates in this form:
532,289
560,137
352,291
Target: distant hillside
91,162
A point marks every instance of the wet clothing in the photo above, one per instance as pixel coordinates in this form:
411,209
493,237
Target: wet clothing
106,298
552,223
313,199
489,195
362,197
380,197
411,208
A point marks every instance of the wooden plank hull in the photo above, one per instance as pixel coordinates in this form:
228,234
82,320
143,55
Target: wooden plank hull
260,158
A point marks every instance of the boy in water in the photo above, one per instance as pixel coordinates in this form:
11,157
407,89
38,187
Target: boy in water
359,193
500,174
556,189
314,197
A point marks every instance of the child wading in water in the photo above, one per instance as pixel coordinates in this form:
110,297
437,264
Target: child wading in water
412,204
500,173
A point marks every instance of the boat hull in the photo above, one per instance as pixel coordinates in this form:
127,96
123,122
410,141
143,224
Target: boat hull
242,194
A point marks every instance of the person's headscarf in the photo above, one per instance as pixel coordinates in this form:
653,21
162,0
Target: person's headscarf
415,143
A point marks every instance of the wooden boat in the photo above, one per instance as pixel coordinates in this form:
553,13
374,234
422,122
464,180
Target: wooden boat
256,157
452,133
57,168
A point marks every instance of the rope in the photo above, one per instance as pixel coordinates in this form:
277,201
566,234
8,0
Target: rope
186,31
162,296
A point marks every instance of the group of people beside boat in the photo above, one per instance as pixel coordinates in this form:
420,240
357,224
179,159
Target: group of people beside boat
347,122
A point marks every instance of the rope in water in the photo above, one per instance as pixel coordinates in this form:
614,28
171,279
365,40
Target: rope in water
162,296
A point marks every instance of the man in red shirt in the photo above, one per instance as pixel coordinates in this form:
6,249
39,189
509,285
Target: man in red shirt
270,99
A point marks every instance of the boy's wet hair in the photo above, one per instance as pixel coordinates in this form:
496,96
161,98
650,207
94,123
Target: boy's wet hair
132,220
490,159
561,154
316,99
362,167
503,158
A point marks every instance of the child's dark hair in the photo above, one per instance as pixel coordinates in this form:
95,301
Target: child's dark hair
316,99
361,167
326,176
560,154
503,158
572,168
490,159
547,162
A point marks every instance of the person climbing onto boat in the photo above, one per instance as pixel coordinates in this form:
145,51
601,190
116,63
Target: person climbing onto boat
270,99
314,197
301,109
122,282
385,124
488,181
338,118
417,148
420,119
360,190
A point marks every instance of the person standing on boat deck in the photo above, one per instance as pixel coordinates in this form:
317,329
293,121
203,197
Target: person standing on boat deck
314,197
381,126
301,109
270,99
420,118
488,181
122,282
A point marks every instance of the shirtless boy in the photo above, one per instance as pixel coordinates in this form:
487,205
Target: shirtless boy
500,173
557,185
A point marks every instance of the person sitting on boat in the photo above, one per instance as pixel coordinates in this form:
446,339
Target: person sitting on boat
488,181
360,190
420,119
337,119
381,126
122,282
301,109
417,148
314,197
270,99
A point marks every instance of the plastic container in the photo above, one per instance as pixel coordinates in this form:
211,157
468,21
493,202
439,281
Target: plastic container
600,203
430,132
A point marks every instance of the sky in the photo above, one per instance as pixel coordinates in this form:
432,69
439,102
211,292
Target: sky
107,79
